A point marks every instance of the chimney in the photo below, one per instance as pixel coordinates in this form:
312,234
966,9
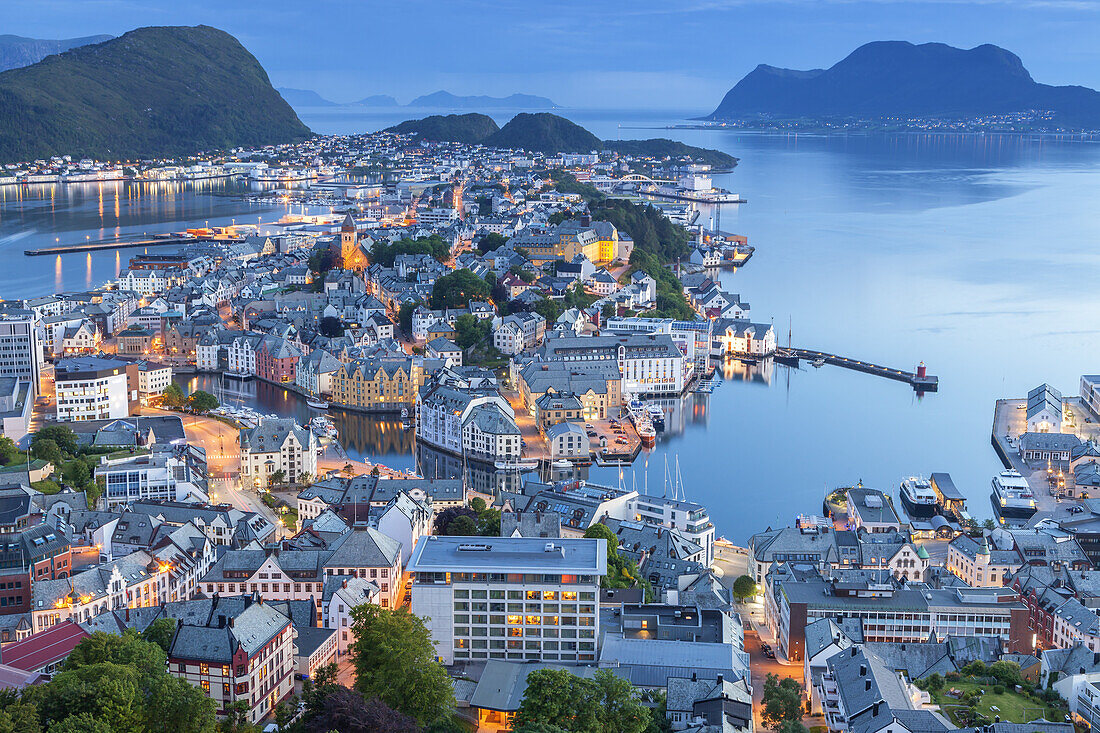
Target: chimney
862,669
867,685
229,621
874,708
694,676
854,651
719,679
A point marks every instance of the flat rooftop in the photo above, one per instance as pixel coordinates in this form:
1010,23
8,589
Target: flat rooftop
436,554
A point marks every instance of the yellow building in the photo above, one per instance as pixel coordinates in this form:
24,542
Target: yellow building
352,256
375,384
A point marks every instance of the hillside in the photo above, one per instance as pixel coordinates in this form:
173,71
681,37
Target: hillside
446,100
152,92
542,132
664,148
549,133
17,51
889,78
469,128
304,98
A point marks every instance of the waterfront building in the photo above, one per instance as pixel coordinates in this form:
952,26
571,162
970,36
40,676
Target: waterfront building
474,421
513,598
1044,410
567,440
95,388
276,359
595,384
553,408
741,337
648,363
314,372
248,656
277,446
379,384
871,510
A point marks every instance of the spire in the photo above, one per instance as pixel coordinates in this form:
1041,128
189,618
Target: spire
984,549
349,224
922,553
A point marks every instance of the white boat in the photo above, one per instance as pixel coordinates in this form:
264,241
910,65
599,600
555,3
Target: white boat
818,362
1012,497
317,403
918,498
562,463
520,465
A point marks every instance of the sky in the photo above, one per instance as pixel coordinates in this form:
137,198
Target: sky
632,54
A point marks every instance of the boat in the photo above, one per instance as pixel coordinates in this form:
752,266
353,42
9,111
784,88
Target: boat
656,415
1012,498
818,362
322,427
317,403
561,463
918,498
647,434
520,465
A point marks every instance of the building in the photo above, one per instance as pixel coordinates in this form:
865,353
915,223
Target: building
648,363
352,255
44,652
277,446
444,349
715,704
95,388
1044,410
567,440
514,598
176,474
153,379
553,408
378,384
477,422
246,657
524,330
896,614
20,348
981,565
16,404
871,510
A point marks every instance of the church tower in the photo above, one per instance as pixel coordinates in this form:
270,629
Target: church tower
351,257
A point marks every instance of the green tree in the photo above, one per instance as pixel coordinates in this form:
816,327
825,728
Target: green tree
9,451
47,450
488,523
491,242
277,478
81,723
62,435
201,401
160,632
395,661
607,702
172,397
470,330
744,587
77,473
331,326
236,719
462,527
17,714
458,288
782,700
549,309
478,504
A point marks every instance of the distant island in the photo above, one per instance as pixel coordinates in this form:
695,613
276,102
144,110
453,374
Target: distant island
446,100
376,100
548,133
18,51
305,98
153,92
896,79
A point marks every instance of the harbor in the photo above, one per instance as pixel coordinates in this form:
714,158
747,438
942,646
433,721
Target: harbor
919,380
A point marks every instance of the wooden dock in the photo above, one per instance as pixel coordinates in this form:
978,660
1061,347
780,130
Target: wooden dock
919,382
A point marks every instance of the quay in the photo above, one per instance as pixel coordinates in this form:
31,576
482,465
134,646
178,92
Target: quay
919,380
155,241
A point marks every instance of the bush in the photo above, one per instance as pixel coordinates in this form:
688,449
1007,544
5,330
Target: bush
998,689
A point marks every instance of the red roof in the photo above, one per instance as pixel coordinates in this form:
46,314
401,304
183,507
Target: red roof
44,647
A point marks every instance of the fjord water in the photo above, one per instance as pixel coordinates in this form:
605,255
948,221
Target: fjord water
975,254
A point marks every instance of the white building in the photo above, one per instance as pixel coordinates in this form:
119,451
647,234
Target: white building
515,598
337,608
20,348
93,388
153,378
176,475
277,446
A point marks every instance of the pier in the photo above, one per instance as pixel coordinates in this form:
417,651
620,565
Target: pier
919,380
155,241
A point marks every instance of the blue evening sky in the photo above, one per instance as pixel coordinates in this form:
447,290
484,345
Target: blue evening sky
681,54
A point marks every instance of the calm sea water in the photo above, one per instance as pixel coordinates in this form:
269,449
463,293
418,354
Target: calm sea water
975,254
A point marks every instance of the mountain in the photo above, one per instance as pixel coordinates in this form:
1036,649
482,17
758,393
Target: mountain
469,128
304,98
549,133
377,100
153,92
17,51
446,100
543,132
889,78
